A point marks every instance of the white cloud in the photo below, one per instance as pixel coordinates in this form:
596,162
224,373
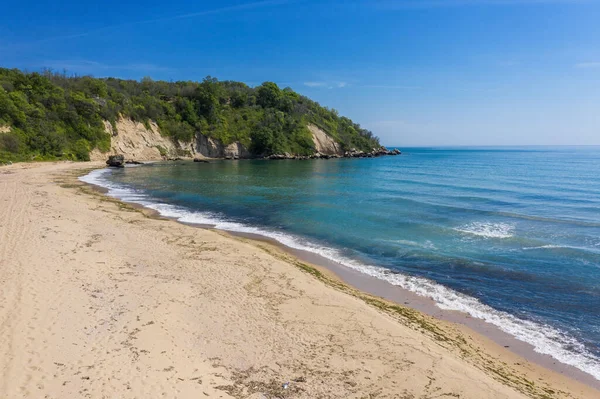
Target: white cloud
328,85
340,84
315,84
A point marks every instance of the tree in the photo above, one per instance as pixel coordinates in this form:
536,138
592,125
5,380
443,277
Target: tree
268,135
207,96
53,115
268,95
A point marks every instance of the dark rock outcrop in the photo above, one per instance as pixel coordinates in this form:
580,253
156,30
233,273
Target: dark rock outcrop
116,161
352,153
376,152
280,156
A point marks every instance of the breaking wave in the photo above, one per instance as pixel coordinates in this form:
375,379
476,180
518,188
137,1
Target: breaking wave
488,230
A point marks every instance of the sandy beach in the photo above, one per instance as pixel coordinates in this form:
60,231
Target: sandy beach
99,299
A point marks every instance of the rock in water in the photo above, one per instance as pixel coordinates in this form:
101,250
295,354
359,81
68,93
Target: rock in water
117,161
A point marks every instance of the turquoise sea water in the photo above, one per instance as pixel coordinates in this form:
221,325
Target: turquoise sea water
511,236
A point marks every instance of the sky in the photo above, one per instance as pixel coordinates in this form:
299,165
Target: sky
415,72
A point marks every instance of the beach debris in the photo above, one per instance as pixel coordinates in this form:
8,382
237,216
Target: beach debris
286,385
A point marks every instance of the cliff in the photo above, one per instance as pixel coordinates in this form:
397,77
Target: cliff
139,142
324,144
144,142
136,142
214,148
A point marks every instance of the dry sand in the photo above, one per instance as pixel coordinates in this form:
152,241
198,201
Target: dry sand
100,300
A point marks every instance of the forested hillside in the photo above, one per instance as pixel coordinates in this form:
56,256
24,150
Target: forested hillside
54,116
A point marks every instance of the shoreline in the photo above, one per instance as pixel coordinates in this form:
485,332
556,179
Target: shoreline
503,341
134,305
401,296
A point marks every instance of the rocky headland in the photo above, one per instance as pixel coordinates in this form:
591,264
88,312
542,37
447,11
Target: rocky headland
134,142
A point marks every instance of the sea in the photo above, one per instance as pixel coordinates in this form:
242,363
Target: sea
507,235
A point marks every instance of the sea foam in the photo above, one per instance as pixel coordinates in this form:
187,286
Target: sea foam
548,246
488,230
544,338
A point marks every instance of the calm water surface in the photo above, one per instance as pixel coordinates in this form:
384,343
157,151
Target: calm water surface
511,236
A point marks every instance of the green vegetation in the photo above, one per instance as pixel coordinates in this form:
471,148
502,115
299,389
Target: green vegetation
53,116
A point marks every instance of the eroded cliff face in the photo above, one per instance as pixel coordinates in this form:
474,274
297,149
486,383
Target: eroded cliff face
211,148
136,142
324,144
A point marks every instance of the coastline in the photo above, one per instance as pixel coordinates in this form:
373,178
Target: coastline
486,367
500,340
496,341
534,342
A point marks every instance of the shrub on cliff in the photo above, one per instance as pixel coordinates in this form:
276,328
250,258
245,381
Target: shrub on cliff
55,116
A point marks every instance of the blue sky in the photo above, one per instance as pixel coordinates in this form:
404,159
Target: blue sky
416,72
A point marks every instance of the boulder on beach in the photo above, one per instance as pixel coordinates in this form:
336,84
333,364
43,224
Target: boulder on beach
116,161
